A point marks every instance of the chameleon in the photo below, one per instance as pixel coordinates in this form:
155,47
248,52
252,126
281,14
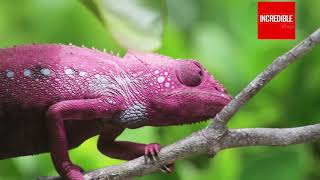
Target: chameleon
53,97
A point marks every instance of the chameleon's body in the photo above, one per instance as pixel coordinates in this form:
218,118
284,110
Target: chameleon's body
54,97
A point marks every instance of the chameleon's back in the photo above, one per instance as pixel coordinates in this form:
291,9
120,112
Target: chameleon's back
34,77
39,75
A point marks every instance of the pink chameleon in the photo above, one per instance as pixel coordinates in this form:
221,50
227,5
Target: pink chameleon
54,97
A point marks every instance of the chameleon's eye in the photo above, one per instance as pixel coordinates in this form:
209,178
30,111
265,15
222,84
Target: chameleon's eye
190,73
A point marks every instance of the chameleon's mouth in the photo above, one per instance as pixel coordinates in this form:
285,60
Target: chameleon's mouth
219,98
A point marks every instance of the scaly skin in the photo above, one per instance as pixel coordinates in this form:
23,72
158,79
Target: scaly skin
54,97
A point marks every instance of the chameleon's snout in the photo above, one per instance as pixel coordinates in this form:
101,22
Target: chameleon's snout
211,99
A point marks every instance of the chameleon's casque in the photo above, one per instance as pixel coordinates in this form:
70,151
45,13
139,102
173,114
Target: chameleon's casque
54,97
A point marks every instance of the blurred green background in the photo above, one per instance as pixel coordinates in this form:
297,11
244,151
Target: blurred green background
222,35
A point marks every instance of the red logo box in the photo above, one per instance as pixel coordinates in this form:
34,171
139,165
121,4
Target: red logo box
276,20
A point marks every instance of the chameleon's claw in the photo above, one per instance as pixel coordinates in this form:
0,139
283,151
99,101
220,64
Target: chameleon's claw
163,170
157,149
151,151
145,158
168,169
153,157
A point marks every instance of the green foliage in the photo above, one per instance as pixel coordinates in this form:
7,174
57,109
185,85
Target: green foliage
222,36
132,21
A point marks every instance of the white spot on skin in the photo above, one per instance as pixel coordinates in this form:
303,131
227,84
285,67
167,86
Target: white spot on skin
167,84
169,79
165,73
27,73
69,71
110,101
45,72
97,76
9,74
156,72
160,79
103,80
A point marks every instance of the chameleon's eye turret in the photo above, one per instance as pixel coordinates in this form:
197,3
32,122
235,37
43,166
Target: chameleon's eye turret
190,73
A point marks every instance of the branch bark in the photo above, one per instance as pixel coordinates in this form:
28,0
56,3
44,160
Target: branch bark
216,136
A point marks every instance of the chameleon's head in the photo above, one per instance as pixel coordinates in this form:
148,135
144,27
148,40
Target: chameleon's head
180,91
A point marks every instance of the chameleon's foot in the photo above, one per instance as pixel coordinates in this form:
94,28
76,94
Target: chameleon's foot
73,172
151,152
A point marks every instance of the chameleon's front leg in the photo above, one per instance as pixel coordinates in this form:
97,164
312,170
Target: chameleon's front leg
58,144
128,150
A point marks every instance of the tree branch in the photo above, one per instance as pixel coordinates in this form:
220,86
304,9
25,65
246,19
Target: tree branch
197,143
216,136
264,77
270,136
